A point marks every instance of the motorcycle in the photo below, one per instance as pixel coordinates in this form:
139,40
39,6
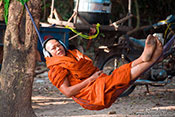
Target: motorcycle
128,49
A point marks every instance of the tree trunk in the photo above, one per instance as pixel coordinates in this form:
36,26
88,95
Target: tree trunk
19,58
1,10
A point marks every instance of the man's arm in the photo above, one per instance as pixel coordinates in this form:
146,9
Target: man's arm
70,91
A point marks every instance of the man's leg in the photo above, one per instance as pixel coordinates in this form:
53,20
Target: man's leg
142,66
150,45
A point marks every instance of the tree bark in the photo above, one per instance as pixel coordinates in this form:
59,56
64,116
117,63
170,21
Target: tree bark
19,58
1,11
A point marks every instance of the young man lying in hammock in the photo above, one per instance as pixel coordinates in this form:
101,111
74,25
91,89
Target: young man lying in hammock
75,75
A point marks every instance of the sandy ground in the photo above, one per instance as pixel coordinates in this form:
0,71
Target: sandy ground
49,102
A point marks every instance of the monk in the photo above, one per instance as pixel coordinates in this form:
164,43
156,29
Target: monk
75,75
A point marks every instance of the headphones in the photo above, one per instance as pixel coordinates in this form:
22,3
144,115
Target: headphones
47,53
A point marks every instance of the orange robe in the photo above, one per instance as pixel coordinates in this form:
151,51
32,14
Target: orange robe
98,94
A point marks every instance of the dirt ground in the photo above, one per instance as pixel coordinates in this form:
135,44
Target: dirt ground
49,102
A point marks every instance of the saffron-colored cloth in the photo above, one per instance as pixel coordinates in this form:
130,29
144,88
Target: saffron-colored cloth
98,94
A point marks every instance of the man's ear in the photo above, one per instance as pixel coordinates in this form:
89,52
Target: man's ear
46,53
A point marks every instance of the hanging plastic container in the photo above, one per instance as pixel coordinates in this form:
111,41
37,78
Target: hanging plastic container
94,11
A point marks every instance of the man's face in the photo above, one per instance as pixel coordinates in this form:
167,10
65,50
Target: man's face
55,48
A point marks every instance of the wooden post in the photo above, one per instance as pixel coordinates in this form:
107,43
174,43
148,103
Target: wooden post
76,11
52,8
129,12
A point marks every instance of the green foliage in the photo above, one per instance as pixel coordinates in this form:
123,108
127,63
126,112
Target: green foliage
6,8
23,1
45,6
64,8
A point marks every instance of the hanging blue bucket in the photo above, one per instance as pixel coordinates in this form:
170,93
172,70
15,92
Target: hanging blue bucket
94,11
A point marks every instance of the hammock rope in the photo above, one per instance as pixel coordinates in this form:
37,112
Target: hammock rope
39,36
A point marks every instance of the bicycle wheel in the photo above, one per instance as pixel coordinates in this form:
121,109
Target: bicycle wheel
113,62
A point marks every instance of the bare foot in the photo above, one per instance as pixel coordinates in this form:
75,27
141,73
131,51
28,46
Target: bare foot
150,45
158,51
